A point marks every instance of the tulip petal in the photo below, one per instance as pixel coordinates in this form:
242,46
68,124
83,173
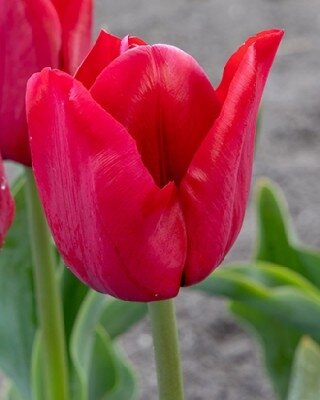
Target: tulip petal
265,43
6,205
30,40
76,21
116,230
106,48
215,189
165,100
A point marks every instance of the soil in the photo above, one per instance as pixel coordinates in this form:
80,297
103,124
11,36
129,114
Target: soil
221,360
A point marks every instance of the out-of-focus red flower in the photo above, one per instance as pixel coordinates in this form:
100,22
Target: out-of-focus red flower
6,204
35,34
144,168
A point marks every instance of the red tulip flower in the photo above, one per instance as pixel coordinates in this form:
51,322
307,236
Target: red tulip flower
6,204
35,34
143,167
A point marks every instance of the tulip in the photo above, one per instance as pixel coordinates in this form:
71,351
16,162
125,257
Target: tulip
6,205
35,34
144,168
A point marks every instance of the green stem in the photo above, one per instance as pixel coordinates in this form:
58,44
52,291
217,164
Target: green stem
49,307
166,348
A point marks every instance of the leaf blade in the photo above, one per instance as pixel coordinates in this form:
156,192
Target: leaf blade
17,308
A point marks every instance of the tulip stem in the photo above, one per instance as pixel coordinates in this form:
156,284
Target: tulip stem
166,349
48,299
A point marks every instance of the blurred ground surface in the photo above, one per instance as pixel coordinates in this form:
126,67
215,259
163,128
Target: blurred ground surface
221,361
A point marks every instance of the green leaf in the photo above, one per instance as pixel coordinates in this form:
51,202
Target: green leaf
232,284
126,385
278,303
99,371
17,309
82,342
269,275
305,382
276,244
103,370
119,316
273,230
111,378
296,306
309,264
278,343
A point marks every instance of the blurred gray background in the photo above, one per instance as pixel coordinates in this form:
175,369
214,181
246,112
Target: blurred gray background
221,361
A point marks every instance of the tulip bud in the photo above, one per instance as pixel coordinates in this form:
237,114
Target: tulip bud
144,168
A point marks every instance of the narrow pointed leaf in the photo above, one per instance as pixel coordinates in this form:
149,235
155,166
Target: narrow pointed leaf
296,306
127,385
305,383
111,377
99,371
309,261
103,370
276,240
17,309
278,343
82,341
273,233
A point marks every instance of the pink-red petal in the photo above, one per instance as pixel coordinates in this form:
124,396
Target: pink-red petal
215,189
116,230
6,205
264,44
30,40
106,49
165,100
76,22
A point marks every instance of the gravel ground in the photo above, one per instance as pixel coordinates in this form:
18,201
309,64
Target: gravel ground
221,361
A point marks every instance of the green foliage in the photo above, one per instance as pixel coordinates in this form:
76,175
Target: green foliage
17,309
278,294
99,372
278,304
277,243
119,316
305,383
278,343
118,382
